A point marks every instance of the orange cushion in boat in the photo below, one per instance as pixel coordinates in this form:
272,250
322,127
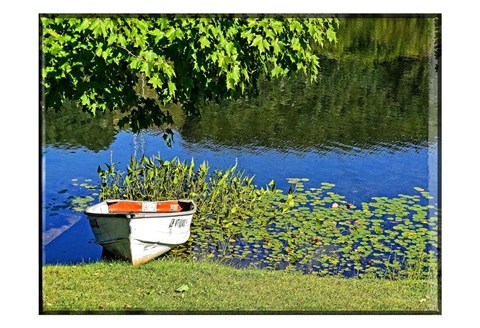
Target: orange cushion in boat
131,206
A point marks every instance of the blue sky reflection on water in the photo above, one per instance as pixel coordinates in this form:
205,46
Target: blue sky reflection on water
358,174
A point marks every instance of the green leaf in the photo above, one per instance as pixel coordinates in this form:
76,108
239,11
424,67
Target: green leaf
179,34
258,40
112,38
277,26
171,88
265,45
155,81
277,71
98,27
84,25
295,26
146,68
121,40
170,34
99,50
276,47
230,81
158,35
331,35
135,63
150,55
85,100
182,288
204,43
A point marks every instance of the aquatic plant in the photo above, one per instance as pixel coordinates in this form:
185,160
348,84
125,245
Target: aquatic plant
314,230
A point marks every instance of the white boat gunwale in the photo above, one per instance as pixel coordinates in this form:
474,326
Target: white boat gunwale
138,215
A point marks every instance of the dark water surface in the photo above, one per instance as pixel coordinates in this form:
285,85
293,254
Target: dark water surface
369,127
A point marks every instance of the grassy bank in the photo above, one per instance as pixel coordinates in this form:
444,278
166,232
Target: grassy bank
169,285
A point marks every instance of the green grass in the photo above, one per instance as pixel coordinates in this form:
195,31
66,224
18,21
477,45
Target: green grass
211,287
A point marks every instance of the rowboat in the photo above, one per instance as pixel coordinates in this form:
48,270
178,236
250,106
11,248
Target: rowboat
140,231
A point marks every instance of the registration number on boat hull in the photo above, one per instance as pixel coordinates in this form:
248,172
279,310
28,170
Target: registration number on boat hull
178,223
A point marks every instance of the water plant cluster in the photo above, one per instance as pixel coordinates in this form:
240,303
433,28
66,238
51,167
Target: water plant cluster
314,230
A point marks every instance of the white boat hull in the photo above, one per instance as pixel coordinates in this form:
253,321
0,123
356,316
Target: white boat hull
139,237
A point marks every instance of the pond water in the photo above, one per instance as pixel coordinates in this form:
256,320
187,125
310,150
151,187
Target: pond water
368,126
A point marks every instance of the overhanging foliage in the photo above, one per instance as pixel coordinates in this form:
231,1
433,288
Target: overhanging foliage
98,61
